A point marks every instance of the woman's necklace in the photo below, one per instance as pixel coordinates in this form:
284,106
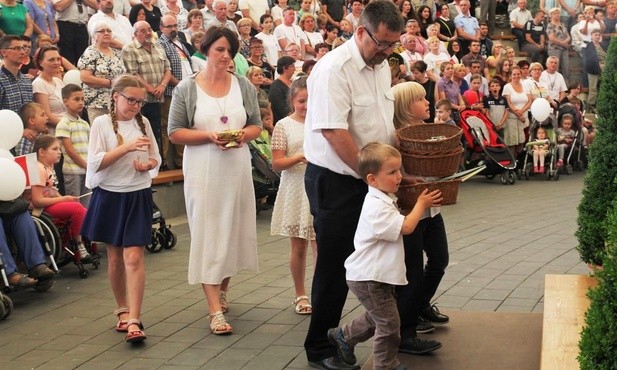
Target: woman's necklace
224,117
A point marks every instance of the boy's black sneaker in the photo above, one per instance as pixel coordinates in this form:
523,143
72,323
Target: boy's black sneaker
424,326
345,351
432,314
417,346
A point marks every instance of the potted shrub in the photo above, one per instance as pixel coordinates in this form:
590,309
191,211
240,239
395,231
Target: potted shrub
598,343
600,187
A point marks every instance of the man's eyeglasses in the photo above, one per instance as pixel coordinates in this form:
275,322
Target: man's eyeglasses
381,46
18,48
133,101
170,26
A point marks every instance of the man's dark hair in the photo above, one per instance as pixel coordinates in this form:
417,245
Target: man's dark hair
382,12
6,40
419,66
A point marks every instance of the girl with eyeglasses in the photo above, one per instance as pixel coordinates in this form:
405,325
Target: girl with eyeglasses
122,160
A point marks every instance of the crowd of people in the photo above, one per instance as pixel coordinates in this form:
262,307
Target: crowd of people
317,82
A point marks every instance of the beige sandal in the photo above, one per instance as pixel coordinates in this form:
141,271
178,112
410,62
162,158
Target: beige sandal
302,309
223,301
218,324
122,325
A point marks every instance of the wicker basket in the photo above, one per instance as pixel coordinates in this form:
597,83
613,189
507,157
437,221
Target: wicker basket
419,137
435,164
408,194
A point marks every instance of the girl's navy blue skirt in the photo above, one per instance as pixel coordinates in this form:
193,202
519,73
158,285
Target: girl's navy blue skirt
119,219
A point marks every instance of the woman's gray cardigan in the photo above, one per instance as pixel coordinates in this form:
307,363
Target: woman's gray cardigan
184,101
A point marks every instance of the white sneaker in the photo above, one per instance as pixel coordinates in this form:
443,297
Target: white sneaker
83,252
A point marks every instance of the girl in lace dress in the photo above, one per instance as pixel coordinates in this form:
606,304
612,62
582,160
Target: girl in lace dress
291,215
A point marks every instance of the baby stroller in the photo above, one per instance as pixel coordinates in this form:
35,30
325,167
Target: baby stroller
162,236
550,160
575,156
265,180
483,146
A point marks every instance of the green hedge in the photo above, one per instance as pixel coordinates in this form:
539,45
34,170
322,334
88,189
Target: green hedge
600,187
598,344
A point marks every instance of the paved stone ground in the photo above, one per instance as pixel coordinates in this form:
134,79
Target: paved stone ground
503,239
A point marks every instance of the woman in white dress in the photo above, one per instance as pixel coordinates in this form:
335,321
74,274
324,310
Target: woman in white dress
519,100
291,216
218,185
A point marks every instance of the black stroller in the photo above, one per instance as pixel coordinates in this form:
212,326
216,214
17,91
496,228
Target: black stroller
265,180
162,236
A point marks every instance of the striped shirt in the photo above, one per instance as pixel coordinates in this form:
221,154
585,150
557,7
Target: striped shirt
77,130
15,92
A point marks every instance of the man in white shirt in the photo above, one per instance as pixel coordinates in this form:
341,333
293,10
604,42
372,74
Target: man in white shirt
554,80
207,12
410,55
254,9
220,16
351,105
288,32
120,25
518,18
122,7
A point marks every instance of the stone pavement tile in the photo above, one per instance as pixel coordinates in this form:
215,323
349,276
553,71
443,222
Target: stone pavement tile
490,273
463,290
524,268
523,292
232,358
217,342
37,357
481,305
17,346
187,335
163,329
142,364
479,282
527,302
256,340
66,342
259,314
493,294
452,302
508,281
163,350
274,357
192,357
294,338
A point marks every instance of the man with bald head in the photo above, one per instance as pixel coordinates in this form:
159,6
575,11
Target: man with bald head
148,62
220,16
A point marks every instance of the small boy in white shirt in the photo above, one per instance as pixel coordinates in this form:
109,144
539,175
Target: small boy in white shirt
378,262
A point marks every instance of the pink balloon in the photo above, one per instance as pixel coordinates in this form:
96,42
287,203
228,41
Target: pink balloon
471,97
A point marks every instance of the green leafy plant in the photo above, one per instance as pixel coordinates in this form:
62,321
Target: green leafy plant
600,187
598,343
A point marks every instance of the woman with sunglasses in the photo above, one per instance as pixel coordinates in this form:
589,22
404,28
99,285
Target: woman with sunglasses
99,66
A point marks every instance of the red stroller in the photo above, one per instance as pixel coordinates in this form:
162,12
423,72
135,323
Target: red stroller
483,146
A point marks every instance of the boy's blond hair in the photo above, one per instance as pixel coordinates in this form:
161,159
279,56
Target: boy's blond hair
372,157
405,94
28,111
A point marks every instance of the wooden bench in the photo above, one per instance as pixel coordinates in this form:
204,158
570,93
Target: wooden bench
505,36
167,177
565,304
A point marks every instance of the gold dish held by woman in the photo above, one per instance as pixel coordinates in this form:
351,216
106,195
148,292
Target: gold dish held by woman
232,136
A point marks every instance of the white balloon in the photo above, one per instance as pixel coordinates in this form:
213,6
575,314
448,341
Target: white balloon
72,77
540,109
13,179
12,129
6,154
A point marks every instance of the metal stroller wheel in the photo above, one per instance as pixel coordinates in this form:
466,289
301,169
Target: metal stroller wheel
511,177
3,311
556,175
504,178
157,242
569,169
7,305
527,171
170,238
44,286
83,274
490,177
548,174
